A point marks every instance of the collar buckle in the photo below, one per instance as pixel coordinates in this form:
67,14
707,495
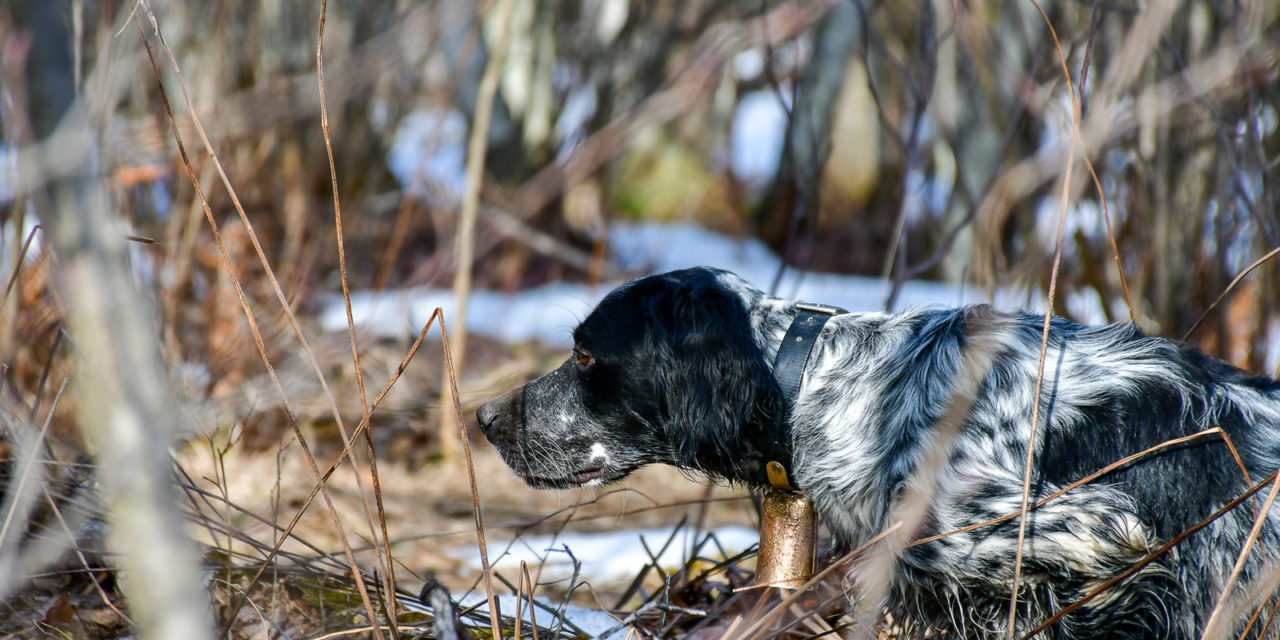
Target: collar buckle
820,308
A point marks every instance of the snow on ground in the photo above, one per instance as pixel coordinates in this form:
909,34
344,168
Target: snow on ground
547,313
759,131
550,312
592,622
610,557
614,556
8,173
656,247
443,134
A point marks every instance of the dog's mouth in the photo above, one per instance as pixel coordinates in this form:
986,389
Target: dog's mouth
586,475
581,477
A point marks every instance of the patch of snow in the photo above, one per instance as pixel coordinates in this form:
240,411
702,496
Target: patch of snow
593,622
1263,125
579,107
550,312
8,173
759,131
444,167
615,556
656,248
748,65
1083,217
547,313
610,20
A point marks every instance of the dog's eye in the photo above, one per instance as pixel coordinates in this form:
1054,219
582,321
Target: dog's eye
583,358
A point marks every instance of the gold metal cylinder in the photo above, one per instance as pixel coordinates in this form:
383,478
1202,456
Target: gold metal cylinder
787,530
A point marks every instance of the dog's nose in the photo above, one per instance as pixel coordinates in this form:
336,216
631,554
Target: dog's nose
486,414
492,412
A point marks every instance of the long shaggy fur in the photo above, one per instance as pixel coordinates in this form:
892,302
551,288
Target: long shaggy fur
676,369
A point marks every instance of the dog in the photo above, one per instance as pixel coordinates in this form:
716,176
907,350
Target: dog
936,406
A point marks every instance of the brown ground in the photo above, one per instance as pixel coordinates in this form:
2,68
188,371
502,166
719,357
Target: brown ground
429,510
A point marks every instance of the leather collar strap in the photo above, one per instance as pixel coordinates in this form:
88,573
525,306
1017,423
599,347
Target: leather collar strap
788,369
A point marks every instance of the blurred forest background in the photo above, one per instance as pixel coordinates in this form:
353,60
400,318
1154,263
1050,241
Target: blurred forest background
912,140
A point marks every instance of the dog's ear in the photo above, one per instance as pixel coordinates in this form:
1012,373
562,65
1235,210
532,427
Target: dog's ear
722,399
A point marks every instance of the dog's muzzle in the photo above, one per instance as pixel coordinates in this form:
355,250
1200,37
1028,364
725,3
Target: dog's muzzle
500,418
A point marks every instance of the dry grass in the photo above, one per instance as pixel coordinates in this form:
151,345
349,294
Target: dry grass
227,191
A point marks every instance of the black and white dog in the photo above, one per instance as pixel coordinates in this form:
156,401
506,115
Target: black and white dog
678,369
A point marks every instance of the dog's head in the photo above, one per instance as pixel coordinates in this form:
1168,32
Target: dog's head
664,370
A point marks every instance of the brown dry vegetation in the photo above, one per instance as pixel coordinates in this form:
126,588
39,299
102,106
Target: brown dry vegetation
1178,115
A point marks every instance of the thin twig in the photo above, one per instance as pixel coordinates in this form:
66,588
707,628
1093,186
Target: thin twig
385,562
17,266
1097,184
57,513
15,490
471,477
249,315
1078,483
528,584
913,507
1111,236
1216,621
273,281
84,562
1234,281
316,488
1175,541
464,238
1048,318
1271,620
1253,619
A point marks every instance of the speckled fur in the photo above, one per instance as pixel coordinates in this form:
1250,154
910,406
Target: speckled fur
680,374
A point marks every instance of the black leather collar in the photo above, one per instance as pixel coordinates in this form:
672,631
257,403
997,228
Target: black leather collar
788,369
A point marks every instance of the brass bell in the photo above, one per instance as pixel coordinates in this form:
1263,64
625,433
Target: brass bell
787,531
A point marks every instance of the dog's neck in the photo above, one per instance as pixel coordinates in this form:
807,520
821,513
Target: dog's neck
786,333
770,318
